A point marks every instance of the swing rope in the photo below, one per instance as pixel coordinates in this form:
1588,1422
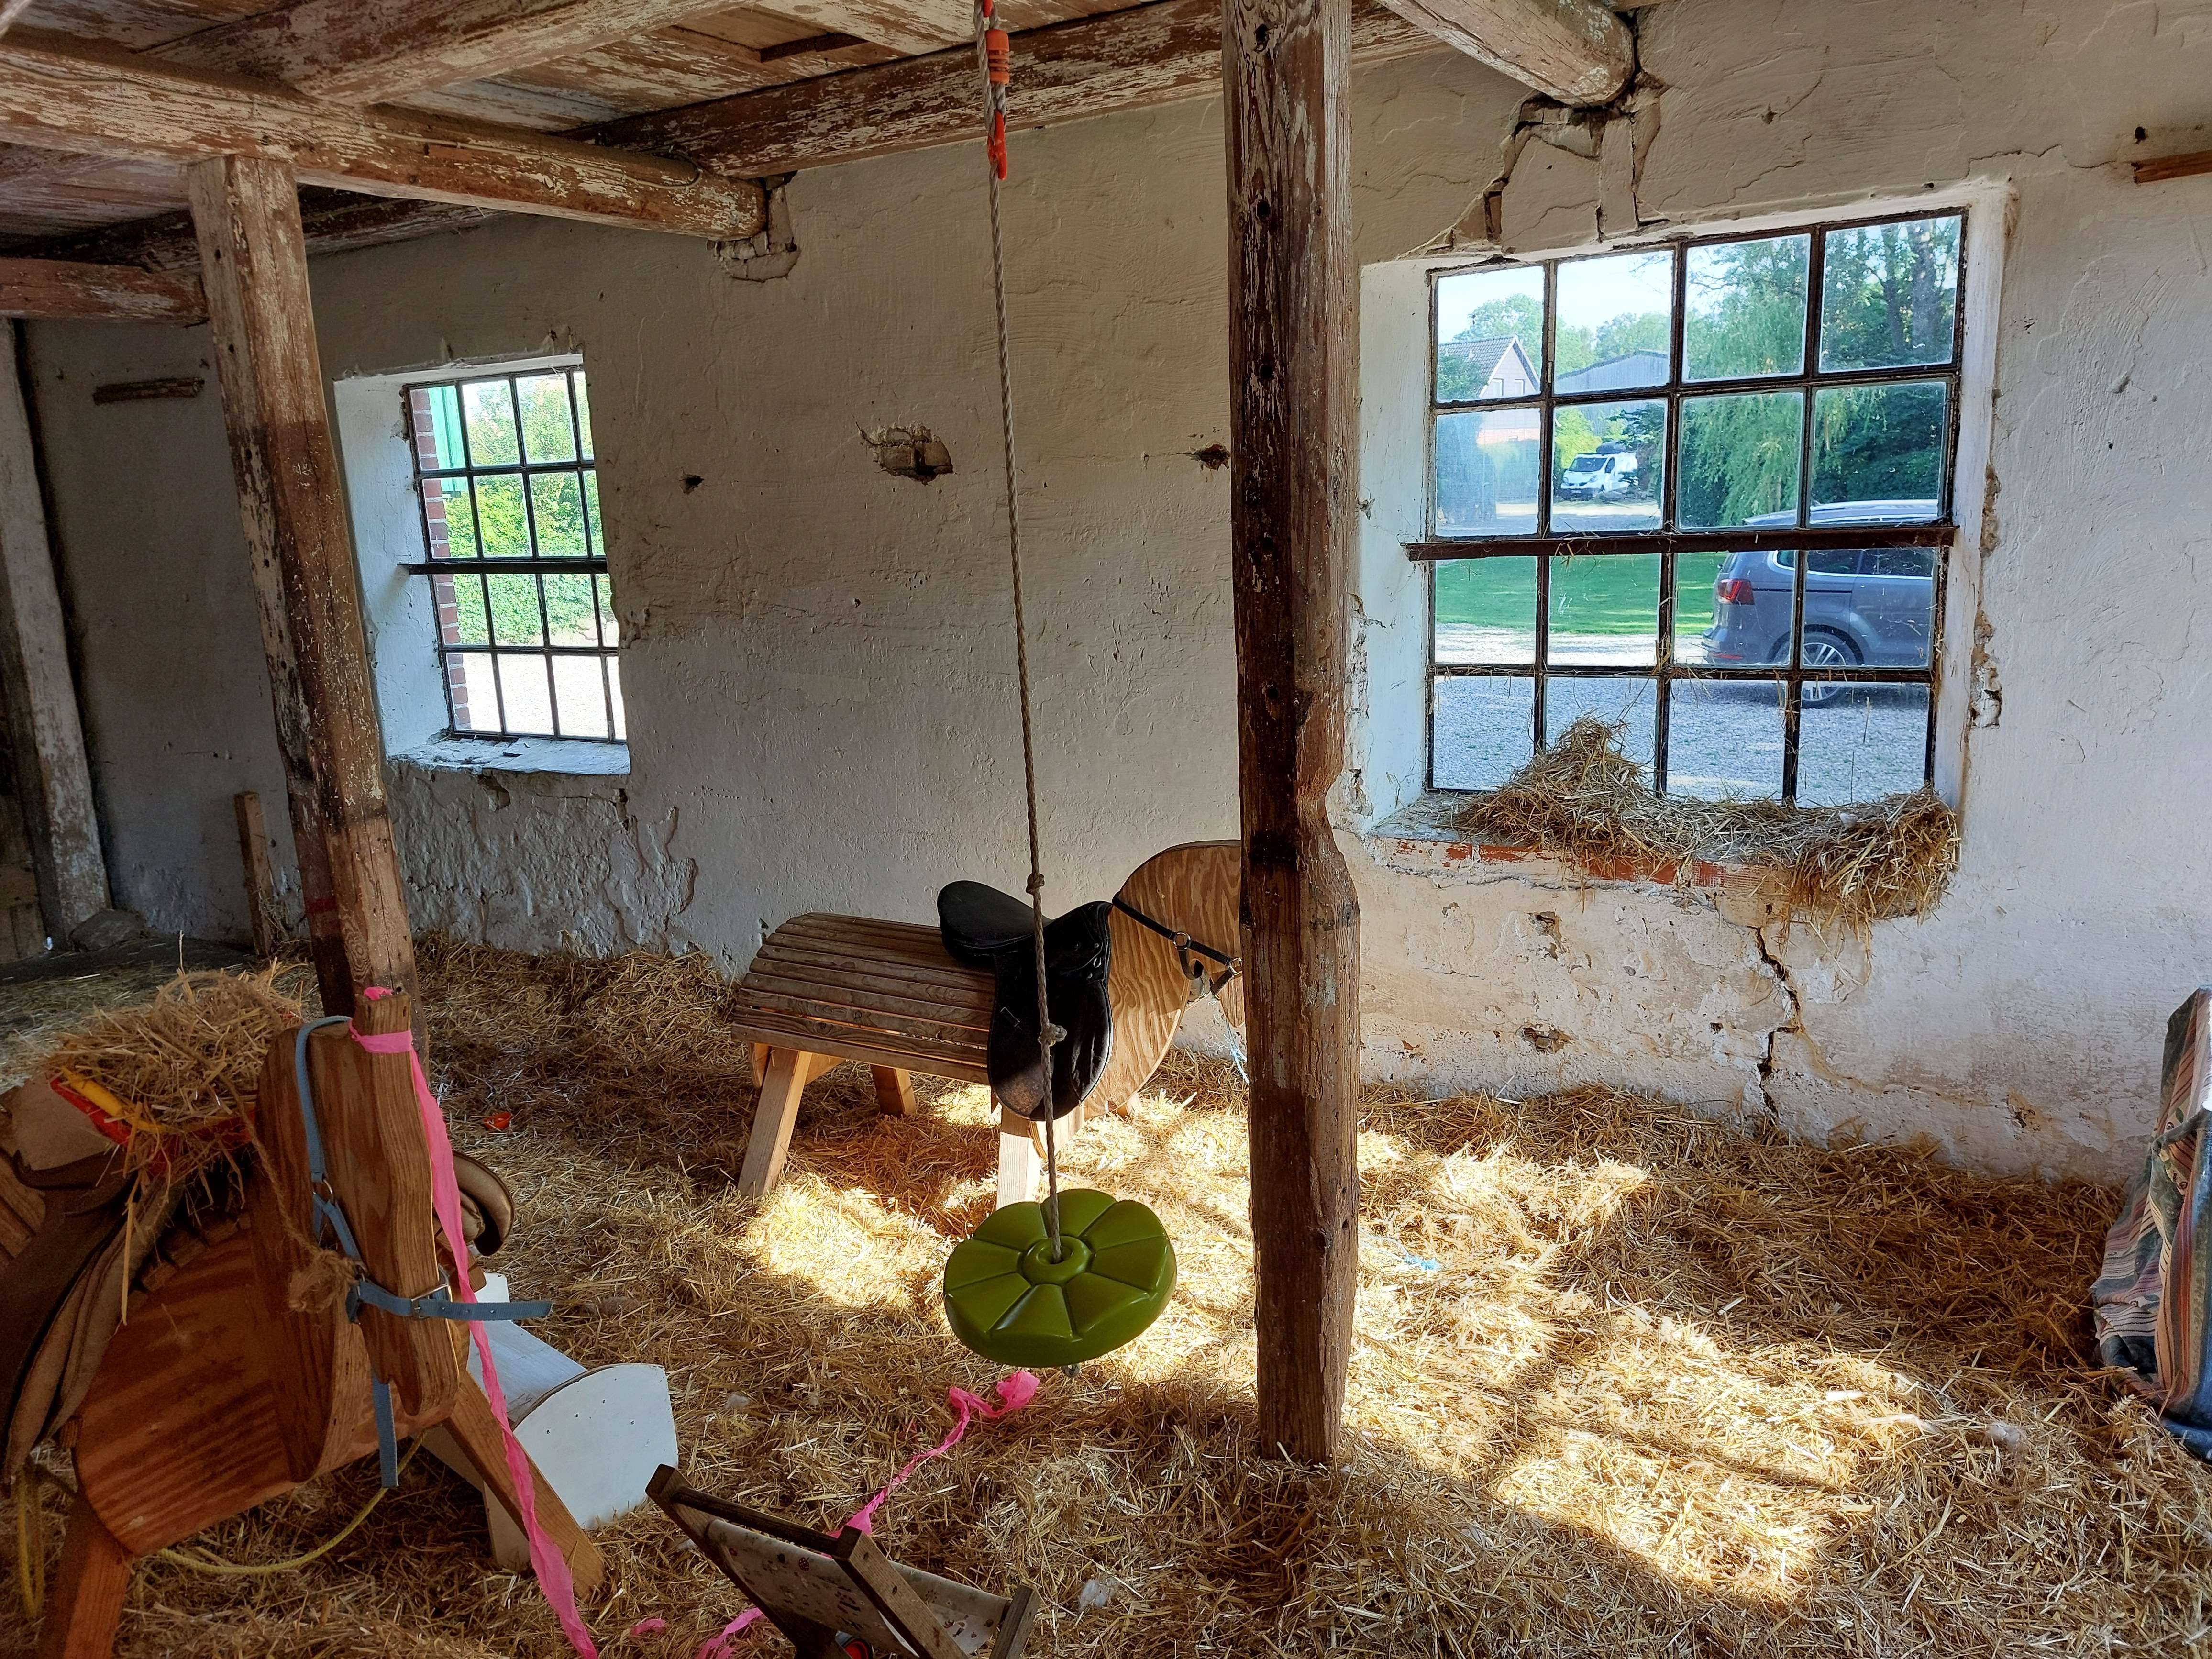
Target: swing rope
994,48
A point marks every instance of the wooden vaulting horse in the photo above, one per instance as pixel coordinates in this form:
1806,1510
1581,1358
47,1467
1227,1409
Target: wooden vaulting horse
222,1390
826,988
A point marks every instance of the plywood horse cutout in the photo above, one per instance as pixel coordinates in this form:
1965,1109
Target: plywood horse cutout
219,1394
828,989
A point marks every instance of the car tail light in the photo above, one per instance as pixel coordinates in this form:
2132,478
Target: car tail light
1732,590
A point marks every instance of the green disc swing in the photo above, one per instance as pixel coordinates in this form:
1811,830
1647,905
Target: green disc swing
1066,1281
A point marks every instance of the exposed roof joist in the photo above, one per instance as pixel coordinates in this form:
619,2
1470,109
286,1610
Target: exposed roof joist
60,288
1575,51
65,95
1154,54
350,52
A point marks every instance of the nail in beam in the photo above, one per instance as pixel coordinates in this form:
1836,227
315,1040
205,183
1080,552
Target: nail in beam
1292,360
253,263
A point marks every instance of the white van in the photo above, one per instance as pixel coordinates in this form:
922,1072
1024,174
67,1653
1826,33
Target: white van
1595,475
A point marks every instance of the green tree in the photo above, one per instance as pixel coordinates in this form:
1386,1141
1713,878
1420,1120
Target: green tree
1889,295
1578,348
1746,313
1739,457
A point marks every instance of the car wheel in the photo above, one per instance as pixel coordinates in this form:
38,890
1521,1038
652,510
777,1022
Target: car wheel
1826,651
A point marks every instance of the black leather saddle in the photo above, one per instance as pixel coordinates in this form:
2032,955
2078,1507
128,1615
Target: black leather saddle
984,927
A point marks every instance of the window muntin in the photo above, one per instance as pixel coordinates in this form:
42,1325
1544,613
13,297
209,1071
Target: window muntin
508,483
1701,412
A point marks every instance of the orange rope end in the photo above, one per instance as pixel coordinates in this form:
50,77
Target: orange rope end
998,142
999,53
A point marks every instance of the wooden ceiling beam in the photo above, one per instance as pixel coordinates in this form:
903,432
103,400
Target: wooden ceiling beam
910,26
1575,51
1154,54
350,52
69,96
61,288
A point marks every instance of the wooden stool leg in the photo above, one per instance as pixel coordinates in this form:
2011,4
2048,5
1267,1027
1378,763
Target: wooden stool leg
85,1604
476,1430
1020,1164
894,1091
788,1072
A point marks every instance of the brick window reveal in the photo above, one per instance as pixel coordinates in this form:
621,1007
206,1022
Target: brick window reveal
1702,491
505,472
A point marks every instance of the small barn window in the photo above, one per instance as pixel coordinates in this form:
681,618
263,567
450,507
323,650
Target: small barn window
508,483
1702,491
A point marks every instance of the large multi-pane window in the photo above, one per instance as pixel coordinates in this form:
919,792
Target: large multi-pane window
516,568
1703,491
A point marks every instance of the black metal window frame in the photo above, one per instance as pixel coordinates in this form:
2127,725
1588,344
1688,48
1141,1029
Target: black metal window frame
538,566
1805,538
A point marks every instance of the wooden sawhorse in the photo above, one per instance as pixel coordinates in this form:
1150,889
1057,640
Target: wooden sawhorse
825,989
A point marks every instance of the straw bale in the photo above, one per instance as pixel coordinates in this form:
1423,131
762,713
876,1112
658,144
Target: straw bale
1628,1381
1584,801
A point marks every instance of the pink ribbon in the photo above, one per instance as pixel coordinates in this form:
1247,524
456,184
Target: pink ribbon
1014,1392
551,1567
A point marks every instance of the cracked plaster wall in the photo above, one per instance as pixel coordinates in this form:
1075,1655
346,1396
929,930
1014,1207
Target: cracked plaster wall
816,654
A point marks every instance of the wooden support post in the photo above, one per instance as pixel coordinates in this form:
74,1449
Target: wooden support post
1292,357
788,1072
253,264
476,1431
260,881
52,776
894,1091
85,1604
1021,1159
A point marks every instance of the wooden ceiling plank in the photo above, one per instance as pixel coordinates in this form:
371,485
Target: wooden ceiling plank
351,53
1575,51
10,11
673,67
60,96
1151,54
136,25
907,26
61,288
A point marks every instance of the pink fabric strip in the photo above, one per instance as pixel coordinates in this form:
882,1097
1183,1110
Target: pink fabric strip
1014,1392
551,1565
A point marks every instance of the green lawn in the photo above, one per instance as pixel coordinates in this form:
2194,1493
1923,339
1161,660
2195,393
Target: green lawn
1615,594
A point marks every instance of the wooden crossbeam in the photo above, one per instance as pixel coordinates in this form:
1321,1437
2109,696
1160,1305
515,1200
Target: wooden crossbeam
351,53
911,25
1154,54
62,288
68,95
1575,51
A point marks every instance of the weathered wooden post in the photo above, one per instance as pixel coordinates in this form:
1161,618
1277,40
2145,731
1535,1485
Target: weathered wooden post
253,263
1292,362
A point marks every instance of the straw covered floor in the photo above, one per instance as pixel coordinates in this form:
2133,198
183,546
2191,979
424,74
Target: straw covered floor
1627,1381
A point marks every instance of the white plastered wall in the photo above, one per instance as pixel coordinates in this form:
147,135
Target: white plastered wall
818,656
